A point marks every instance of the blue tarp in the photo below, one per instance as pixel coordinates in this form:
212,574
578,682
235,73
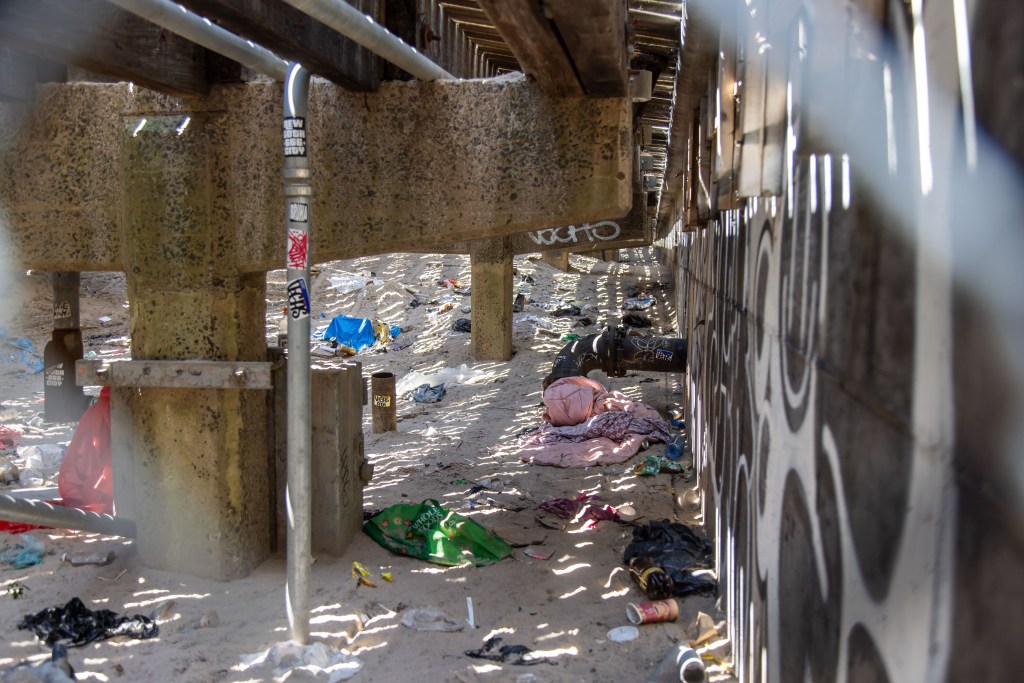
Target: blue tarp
19,350
354,332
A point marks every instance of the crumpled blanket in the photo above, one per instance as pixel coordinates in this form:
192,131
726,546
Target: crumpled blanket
611,431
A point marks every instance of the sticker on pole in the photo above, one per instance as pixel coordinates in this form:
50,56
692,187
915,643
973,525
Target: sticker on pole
298,249
298,299
662,354
298,212
382,401
61,310
294,136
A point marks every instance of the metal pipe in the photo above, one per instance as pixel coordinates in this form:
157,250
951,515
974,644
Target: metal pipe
362,29
298,193
615,352
202,31
41,513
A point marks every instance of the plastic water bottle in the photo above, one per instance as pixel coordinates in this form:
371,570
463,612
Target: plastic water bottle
675,448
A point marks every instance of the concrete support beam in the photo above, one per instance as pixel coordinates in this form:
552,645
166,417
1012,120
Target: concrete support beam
491,317
411,164
557,259
200,455
611,255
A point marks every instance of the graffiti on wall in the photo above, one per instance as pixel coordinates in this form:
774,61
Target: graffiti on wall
604,231
824,455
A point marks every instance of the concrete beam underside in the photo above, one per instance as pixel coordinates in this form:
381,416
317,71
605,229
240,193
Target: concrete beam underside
411,164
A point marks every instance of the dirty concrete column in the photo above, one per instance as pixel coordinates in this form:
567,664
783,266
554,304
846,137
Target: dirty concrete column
611,255
491,317
557,259
200,455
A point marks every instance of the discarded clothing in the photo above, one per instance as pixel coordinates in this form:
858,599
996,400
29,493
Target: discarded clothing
635,320
567,311
655,464
27,551
677,550
76,623
446,376
587,425
637,303
584,508
425,393
462,325
494,651
8,437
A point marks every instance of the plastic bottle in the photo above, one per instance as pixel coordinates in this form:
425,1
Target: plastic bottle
680,663
652,579
676,447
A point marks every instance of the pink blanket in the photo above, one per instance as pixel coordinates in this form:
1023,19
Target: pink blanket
585,425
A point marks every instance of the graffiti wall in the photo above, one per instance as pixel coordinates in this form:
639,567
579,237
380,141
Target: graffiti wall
856,355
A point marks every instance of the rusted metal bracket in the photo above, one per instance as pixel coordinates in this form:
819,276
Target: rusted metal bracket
174,374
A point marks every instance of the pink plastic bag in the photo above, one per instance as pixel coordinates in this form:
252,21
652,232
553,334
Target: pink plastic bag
85,479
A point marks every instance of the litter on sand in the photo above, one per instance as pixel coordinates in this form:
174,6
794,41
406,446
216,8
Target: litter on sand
677,551
425,393
26,552
80,625
316,661
637,303
462,325
510,654
446,376
429,618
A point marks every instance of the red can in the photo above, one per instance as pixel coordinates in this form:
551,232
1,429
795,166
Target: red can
652,612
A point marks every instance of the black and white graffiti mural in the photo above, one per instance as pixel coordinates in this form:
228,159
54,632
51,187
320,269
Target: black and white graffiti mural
833,522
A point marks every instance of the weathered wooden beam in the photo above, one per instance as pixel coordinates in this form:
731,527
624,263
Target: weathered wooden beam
596,41
535,44
174,374
295,36
96,35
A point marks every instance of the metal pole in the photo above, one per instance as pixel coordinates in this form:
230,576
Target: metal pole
41,513
298,192
176,18
350,22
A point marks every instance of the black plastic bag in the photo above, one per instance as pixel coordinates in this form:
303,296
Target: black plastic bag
635,320
462,325
80,625
677,550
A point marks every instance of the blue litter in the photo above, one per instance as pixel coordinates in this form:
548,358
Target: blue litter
356,333
678,424
675,449
27,551
425,393
20,350
395,331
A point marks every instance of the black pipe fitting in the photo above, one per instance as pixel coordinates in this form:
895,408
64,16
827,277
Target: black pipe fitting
615,352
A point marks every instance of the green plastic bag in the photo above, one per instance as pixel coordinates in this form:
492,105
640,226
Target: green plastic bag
428,531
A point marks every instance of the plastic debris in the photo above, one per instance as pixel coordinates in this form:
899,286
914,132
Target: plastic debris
446,376
623,634
315,660
57,669
19,350
462,325
637,303
80,625
569,336
676,550
510,654
27,551
584,507
348,282
362,575
81,559
429,618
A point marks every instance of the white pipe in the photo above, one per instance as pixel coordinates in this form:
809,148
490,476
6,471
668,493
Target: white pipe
362,29
202,31
298,193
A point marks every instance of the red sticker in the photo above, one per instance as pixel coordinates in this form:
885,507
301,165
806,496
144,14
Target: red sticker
298,248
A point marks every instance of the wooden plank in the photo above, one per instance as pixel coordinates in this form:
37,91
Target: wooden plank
295,36
95,35
535,44
174,374
596,41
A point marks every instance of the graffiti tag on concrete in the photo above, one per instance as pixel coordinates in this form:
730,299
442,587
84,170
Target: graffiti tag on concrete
604,231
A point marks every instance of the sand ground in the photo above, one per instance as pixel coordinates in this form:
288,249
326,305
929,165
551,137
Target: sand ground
563,606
